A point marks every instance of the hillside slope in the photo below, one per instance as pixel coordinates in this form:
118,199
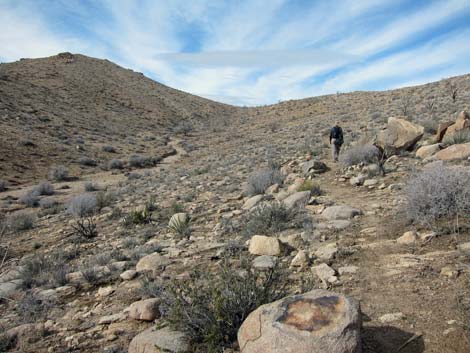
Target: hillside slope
50,105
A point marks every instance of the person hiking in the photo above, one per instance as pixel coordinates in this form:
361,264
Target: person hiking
336,140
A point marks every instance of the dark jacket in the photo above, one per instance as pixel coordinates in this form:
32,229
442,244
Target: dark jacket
336,133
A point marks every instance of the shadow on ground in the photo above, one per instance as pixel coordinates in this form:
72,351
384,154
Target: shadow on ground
388,339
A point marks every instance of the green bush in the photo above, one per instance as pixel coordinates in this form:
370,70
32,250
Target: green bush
20,221
211,306
137,216
309,185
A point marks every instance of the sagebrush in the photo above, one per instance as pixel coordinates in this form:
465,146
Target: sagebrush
259,181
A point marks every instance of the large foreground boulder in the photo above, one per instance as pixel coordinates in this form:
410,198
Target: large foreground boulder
159,341
400,135
454,152
315,322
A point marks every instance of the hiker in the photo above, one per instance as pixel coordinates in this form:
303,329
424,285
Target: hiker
336,140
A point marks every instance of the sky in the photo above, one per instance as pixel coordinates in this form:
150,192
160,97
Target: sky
251,52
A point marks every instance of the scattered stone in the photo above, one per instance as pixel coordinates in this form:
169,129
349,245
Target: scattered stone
407,238
152,262
252,202
327,252
109,319
128,275
159,341
314,166
387,318
105,291
300,260
347,270
297,200
324,272
145,310
263,245
371,182
317,321
9,288
340,212
264,262
358,180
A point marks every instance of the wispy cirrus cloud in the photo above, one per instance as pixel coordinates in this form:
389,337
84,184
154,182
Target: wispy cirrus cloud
251,51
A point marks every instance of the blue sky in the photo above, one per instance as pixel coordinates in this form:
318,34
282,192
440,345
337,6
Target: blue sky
252,52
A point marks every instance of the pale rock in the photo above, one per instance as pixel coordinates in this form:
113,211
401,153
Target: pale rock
152,262
327,252
340,212
454,152
263,245
300,260
297,200
324,272
427,151
105,291
128,275
264,262
407,238
358,180
400,134
371,182
145,310
161,340
387,318
347,270
252,202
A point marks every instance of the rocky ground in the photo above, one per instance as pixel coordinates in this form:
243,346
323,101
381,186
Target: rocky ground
61,292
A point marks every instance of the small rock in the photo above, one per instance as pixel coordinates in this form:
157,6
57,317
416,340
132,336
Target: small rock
159,341
128,275
300,260
152,262
105,291
391,317
264,262
327,253
407,238
340,212
297,200
324,272
252,202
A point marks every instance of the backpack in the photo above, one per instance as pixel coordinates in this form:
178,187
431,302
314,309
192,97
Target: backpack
337,134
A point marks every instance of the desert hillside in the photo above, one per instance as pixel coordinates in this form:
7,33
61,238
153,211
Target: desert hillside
137,218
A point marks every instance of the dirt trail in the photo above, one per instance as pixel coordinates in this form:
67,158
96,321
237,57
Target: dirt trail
396,279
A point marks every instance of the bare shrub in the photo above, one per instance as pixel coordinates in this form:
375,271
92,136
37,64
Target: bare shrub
87,161
109,149
59,173
45,189
270,218
139,161
85,227
438,194
116,164
82,205
42,270
20,221
366,154
104,199
211,306
309,185
31,308
30,199
259,181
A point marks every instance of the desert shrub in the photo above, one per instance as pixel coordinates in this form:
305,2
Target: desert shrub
181,227
48,203
268,218
309,185
42,270
109,149
90,186
44,189
3,185
458,137
58,173
151,288
183,127
91,274
211,306
104,199
430,126
139,161
259,181
437,194
30,199
137,216
32,308
20,221
82,205
87,161
360,154
6,341
116,164
85,227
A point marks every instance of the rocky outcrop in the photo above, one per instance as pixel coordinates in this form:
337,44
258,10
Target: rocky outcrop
454,152
400,135
317,321
462,123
